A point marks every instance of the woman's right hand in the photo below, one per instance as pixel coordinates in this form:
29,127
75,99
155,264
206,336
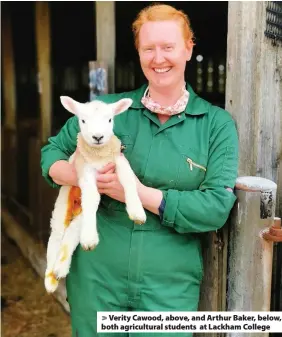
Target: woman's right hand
63,173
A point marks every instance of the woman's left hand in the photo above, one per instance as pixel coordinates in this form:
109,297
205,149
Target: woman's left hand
108,183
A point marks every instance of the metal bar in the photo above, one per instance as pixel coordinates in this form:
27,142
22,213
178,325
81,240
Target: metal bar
273,36
272,11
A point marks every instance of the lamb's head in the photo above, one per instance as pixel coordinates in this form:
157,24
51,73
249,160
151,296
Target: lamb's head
96,118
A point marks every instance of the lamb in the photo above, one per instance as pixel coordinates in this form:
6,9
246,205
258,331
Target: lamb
73,219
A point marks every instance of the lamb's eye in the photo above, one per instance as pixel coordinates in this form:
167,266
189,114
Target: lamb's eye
110,120
83,121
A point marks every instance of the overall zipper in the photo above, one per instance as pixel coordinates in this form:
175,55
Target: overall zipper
191,164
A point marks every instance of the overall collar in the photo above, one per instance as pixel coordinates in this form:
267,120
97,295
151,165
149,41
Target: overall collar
196,105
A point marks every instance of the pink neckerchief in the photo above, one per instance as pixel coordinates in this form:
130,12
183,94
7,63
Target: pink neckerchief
175,109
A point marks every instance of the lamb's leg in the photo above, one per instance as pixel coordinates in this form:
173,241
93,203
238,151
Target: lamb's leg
56,236
90,199
68,246
126,177
51,282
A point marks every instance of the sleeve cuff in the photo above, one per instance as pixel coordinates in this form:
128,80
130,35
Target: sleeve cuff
171,198
50,181
46,168
161,209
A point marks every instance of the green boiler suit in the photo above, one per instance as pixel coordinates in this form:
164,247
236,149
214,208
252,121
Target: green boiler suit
192,158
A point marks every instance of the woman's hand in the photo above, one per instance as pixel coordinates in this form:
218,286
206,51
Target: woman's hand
108,183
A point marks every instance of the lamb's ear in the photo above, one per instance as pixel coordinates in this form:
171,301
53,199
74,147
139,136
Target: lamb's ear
70,104
121,105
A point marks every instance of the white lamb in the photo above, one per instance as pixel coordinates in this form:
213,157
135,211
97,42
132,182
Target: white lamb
73,222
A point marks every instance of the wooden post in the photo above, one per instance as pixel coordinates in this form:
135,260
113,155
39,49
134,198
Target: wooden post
9,134
254,97
213,288
213,284
254,90
43,46
250,258
105,36
8,68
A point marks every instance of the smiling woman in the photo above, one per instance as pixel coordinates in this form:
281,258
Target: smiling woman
164,40
184,152
163,55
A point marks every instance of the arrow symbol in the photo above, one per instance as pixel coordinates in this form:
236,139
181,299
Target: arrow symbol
104,317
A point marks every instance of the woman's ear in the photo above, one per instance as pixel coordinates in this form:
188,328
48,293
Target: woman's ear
189,49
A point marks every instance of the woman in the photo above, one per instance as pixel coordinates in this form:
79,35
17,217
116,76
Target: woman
183,151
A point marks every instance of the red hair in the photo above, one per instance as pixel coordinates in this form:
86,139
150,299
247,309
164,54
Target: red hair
158,12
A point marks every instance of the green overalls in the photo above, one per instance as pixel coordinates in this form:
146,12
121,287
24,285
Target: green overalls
192,158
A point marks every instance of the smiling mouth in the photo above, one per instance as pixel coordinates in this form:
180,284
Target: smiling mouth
162,70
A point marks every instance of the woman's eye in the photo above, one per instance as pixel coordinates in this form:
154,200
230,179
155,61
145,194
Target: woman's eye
168,48
83,121
110,120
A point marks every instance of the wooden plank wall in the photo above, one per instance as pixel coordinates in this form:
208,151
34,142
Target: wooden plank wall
105,37
43,45
254,97
8,134
8,71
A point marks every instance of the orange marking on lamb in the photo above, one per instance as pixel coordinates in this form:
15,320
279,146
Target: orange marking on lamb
53,278
64,253
74,205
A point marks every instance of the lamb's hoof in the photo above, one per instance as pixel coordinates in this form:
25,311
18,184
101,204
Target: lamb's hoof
139,218
89,244
51,282
89,238
136,212
88,248
139,222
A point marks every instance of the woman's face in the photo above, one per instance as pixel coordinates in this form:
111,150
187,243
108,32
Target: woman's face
163,53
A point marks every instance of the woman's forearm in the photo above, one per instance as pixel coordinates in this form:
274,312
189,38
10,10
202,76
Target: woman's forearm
63,173
151,198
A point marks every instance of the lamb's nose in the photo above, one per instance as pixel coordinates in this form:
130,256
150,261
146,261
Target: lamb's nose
98,138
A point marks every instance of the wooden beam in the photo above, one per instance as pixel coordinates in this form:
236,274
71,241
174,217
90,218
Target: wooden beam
250,267
254,89
254,95
9,132
43,46
8,69
33,250
106,38
214,273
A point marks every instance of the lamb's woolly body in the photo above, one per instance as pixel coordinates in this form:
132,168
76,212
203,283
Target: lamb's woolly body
68,230
97,156
66,238
106,152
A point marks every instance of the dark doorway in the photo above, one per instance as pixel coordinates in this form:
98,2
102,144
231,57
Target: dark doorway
73,45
